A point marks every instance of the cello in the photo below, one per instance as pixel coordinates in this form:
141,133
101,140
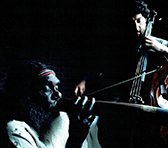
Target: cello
152,89
144,88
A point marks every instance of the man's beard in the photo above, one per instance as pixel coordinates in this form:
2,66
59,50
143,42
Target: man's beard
38,117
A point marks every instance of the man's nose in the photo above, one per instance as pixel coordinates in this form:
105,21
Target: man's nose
137,26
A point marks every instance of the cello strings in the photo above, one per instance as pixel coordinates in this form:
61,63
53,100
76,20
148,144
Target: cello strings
142,72
136,82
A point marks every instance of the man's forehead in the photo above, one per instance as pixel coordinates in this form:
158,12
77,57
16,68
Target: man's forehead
137,16
49,80
52,78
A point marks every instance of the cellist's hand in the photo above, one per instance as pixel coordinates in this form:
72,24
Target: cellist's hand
80,88
154,44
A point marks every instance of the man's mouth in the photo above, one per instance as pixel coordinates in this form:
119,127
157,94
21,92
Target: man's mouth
54,102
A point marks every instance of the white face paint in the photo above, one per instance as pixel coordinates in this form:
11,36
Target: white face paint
140,24
49,90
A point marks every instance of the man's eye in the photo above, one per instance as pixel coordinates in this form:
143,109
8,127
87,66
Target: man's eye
45,89
139,20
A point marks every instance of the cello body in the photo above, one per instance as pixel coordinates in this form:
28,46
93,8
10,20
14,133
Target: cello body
154,82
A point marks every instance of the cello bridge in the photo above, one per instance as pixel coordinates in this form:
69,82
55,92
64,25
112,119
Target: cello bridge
136,99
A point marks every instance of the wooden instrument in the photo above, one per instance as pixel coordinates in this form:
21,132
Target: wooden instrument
134,111
137,85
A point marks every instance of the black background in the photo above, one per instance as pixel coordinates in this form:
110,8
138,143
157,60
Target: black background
69,34
73,35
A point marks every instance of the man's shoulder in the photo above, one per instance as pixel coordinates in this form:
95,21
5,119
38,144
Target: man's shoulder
21,134
15,126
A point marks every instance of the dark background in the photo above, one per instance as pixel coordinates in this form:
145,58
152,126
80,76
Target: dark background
71,34
74,36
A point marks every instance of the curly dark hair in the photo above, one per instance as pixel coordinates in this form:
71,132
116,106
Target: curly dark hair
22,77
139,6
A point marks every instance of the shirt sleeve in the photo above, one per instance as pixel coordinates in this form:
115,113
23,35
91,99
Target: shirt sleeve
22,136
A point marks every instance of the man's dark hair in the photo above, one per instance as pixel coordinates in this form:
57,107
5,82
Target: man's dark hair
21,97
139,6
23,76
22,81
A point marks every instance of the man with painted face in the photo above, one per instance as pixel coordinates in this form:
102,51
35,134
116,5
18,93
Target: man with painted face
34,119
